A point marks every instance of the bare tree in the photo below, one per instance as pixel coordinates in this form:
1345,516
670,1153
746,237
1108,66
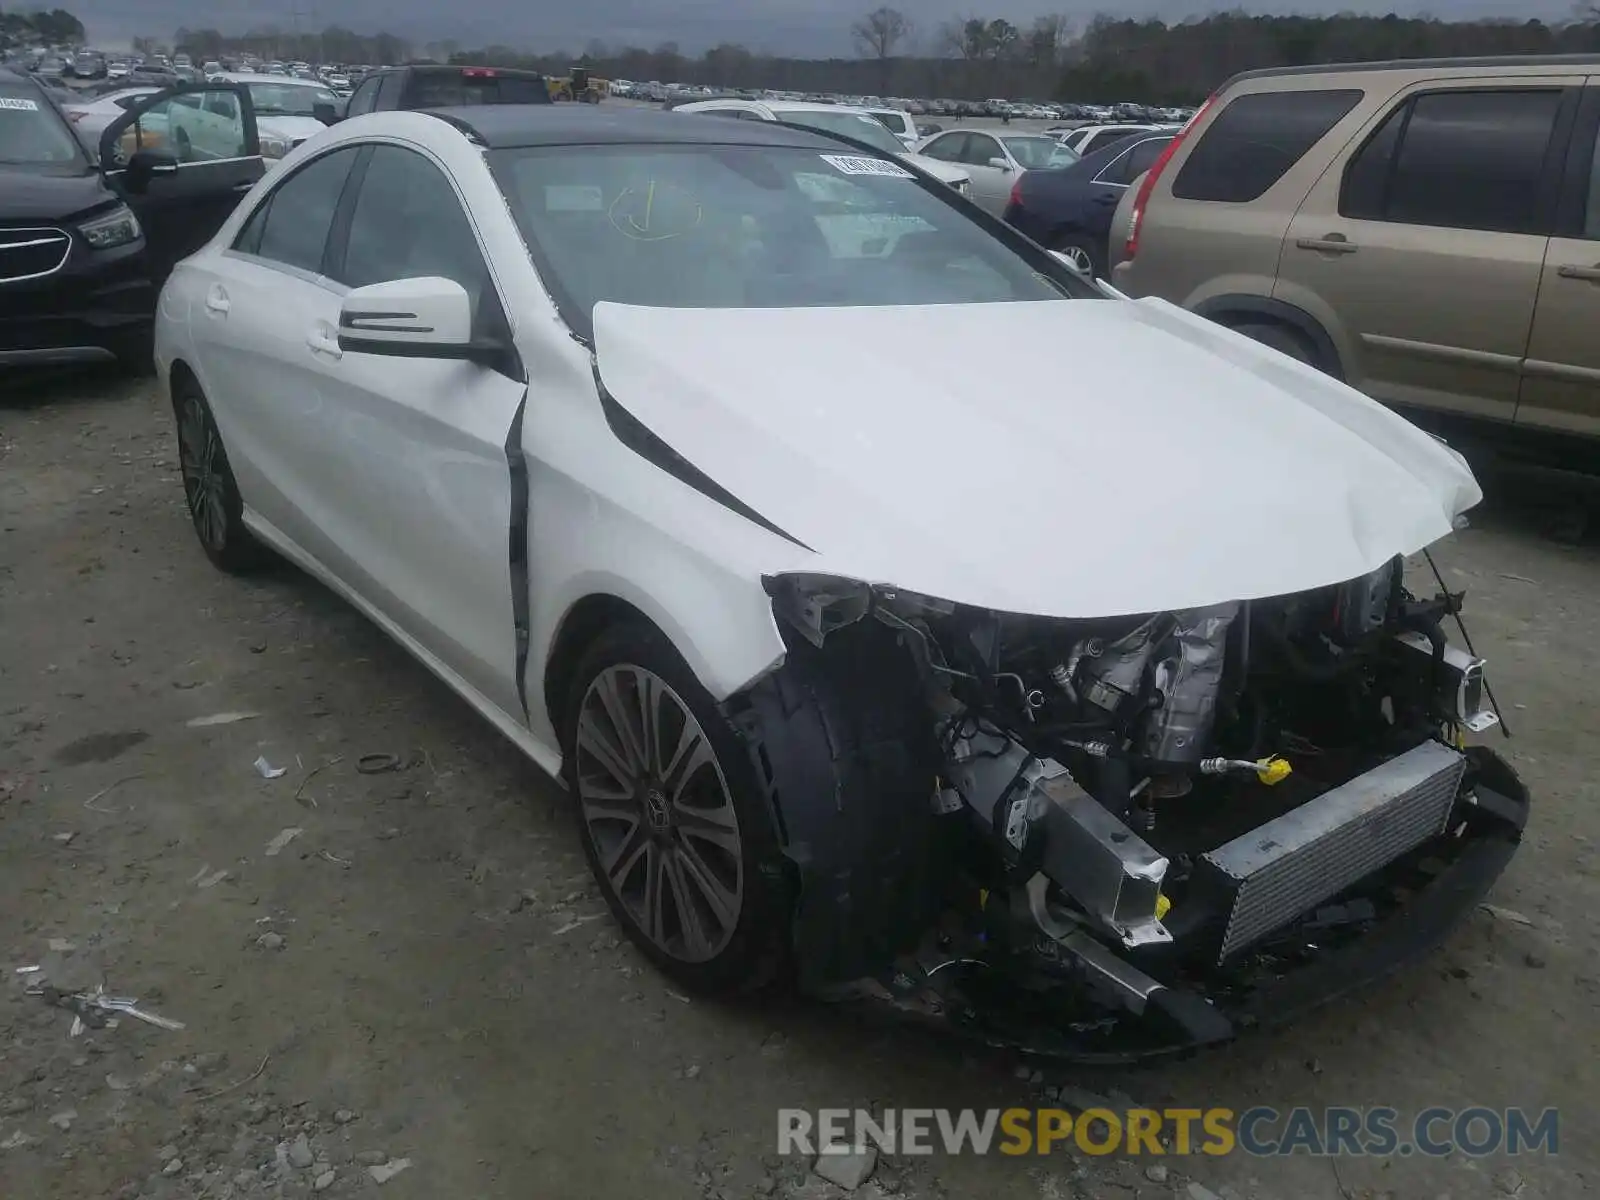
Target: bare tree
881,32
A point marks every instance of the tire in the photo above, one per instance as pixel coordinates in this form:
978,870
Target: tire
687,858
1281,338
210,491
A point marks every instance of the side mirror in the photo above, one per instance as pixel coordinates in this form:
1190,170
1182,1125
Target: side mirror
1000,164
425,317
327,113
145,165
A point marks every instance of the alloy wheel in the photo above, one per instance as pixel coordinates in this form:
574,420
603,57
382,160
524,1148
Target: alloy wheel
656,805
1079,258
200,460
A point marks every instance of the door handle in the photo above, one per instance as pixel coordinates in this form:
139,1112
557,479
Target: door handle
217,302
240,189
1574,271
323,342
1333,243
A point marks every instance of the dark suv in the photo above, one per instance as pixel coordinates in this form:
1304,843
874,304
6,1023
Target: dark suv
84,246
427,85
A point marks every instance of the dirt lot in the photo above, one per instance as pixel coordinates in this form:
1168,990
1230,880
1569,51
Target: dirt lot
421,975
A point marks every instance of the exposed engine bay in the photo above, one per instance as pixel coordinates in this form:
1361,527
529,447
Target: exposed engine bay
1143,832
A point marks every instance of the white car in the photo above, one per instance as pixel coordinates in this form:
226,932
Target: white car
1089,138
996,159
89,117
857,123
900,123
952,672
286,109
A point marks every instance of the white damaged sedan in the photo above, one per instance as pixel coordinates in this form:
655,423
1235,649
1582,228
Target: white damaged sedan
1076,700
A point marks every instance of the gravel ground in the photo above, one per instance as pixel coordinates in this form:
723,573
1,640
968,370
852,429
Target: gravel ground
403,980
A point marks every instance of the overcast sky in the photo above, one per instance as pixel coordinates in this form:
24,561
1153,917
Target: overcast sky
797,27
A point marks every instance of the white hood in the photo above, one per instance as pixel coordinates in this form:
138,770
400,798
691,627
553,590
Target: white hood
1069,459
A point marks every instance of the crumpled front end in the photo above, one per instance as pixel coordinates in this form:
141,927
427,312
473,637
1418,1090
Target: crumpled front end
1109,838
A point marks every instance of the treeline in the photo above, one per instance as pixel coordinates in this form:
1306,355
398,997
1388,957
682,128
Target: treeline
979,57
52,27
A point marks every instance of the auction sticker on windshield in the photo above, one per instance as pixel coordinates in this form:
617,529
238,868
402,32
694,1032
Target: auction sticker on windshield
19,105
851,165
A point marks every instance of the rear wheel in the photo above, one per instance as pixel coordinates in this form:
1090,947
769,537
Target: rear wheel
676,830
209,487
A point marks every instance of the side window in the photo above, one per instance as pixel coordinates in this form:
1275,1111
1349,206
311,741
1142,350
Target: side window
1144,155
390,87
402,193
1254,140
1134,161
184,127
1366,179
980,149
292,228
947,148
738,114
365,97
1457,160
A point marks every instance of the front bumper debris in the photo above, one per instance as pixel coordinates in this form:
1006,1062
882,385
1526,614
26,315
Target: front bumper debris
1332,944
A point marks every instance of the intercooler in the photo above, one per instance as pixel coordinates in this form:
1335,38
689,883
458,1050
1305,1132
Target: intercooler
1282,869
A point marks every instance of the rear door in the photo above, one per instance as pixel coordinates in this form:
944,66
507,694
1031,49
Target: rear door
1561,375
206,155
1421,251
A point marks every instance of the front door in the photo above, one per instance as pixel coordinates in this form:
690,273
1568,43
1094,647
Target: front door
183,158
1561,378
1421,253
991,185
411,453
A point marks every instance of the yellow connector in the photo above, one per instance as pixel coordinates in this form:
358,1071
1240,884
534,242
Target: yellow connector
1163,905
1273,770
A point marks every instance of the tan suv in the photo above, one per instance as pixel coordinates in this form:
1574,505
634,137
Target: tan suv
1429,231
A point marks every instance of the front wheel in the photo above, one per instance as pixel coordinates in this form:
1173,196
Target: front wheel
673,824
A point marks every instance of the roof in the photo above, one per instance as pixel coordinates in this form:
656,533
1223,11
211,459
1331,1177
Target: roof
276,80
1585,61
502,126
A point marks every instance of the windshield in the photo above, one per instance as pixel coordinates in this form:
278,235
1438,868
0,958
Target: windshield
855,125
1040,153
288,99
31,132
756,227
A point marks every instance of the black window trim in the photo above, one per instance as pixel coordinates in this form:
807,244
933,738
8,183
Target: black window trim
1551,171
